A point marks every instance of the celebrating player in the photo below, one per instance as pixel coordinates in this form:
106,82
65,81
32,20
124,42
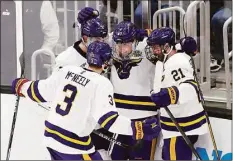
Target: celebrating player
179,92
81,98
132,77
92,29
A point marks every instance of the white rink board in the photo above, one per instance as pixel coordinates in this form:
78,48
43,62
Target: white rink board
29,132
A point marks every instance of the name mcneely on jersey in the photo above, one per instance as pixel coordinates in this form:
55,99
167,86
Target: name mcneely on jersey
77,78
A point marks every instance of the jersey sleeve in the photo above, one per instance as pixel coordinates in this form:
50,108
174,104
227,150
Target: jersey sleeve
105,113
41,90
188,90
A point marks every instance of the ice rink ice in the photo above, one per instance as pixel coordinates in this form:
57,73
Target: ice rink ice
29,123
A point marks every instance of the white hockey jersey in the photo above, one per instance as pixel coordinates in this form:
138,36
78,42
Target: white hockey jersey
132,95
188,112
73,55
80,99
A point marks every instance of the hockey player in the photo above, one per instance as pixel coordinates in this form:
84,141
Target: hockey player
179,92
132,77
81,98
92,29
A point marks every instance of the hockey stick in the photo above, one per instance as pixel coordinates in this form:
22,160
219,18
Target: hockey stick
46,108
15,113
206,114
203,101
157,86
110,139
13,127
186,139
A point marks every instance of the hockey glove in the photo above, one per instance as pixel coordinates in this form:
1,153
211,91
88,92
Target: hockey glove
166,96
86,14
124,67
142,33
17,85
146,130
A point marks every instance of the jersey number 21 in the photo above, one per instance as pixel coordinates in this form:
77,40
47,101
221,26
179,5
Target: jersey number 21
177,74
67,100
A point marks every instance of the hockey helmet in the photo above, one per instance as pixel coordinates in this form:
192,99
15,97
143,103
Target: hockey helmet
94,28
161,37
98,54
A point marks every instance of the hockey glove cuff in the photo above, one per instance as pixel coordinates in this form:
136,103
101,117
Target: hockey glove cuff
147,130
166,96
17,85
86,14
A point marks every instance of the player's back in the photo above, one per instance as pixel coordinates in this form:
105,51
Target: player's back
70,121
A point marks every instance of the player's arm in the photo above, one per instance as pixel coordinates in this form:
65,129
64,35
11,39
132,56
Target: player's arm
39,90
105,113
186,91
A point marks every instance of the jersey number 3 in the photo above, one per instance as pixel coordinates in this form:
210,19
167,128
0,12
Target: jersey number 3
67,100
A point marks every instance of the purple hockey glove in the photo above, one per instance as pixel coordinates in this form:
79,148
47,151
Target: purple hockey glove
17,85
86,14
189,45
146,130
166,96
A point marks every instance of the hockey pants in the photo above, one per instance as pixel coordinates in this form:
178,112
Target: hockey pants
175,148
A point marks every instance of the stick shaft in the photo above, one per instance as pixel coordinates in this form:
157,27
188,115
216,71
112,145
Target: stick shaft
186,139
206,114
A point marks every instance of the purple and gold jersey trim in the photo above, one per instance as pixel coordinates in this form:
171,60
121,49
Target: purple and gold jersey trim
33,92
67,138
143,103
187,123
194,84
108,119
